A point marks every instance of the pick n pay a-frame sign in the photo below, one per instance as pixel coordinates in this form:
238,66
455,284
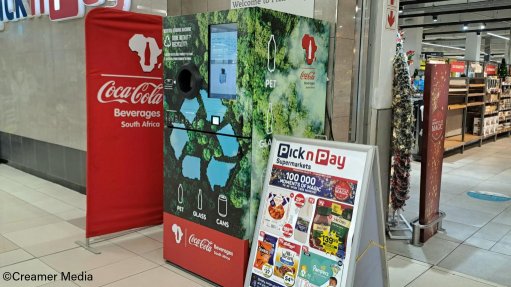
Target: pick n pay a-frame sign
320,221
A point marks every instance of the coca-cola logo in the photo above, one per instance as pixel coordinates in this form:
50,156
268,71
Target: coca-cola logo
204,244
145,93
308,76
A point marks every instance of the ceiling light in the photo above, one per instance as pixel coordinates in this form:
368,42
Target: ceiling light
435,18
483,26
400,10
442,46
465,26
498,36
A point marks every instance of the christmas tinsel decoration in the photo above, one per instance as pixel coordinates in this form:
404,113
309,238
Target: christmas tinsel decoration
402,128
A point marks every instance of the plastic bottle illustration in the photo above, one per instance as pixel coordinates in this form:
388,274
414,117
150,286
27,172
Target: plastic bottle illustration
180,194
222,205
269,120
199,200
272,53
303,222
310,50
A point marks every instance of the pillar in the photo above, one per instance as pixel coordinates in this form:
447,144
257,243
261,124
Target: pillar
487,48
473,47
376,127
413,42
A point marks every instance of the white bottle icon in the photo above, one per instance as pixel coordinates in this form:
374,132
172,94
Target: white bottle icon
272,53
269,120
199,199
310,50
180,194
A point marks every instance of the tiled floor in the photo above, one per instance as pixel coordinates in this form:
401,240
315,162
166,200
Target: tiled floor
475,250
40,221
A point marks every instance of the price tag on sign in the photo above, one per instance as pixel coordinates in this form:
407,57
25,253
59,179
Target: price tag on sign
289,279
267,270
329,242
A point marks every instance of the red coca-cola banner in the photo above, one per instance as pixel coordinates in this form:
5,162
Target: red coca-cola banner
457,67
436,91
216,256
124,121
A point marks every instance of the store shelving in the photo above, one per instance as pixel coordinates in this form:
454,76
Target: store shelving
457,113
504,124
479,107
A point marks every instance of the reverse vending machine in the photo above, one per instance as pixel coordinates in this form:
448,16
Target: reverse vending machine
232,79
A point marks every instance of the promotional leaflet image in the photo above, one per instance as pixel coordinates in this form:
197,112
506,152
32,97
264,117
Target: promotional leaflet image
305,220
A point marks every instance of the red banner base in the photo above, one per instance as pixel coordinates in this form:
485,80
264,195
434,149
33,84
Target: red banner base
213,255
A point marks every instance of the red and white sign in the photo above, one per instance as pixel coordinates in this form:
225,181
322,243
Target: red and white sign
491,70
458,67
204,250
391,18
57,10
124,121
391,15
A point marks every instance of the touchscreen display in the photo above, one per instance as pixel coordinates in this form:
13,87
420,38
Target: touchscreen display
223,60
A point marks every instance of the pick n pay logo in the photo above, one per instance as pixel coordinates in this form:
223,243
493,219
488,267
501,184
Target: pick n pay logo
320,156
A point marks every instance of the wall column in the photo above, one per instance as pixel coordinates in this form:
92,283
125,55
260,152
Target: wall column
413,42
473,47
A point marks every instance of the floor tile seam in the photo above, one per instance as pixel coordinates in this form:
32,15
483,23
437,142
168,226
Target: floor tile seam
67,236
132,233
102,266
496,241
57,252
418,276
508,233
458,207
21,260
447,255
198,279
23,183
37,207
33,258
58,199
412,260
467,276
131,275
133,252
478,231
488,250
499,253
10,241
462,241
33,205
119,261
19,221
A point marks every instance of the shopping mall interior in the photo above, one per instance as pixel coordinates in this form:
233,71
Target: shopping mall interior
74,187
